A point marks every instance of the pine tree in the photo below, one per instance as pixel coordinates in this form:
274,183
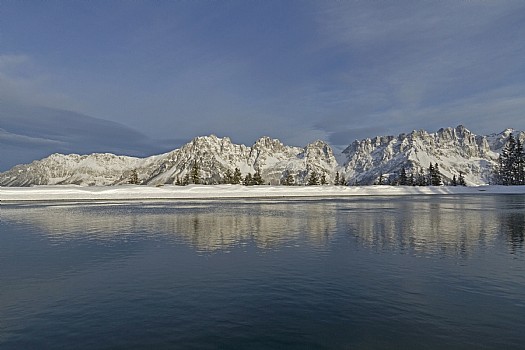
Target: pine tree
313,179
435,175
248,180
134,177
342,181
421,179
288,180
228,177
511,163
177,181
186,179
454,181
195,173
461,179
403,180
323,179
519,159
430,175
257,178
411,180
237,176
336,181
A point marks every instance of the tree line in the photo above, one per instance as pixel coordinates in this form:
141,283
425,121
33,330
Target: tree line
510,170
511,164
432,177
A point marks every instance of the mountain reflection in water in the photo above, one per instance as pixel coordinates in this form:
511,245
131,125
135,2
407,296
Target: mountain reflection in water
418,224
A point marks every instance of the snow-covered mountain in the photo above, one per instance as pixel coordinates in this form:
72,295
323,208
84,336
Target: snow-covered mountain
213,155
454,149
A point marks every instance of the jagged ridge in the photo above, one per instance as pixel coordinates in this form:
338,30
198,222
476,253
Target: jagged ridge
454,149
213,155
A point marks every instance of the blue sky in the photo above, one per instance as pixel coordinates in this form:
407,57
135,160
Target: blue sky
295,70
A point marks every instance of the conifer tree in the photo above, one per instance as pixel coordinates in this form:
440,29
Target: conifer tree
257,178
421,179
323,179
519,159
411,180
461,179
454,181
336,181
288,180
237,176
134,177
248,180
403,180
510,168
186,180
313,179
228,177
195,173
435,175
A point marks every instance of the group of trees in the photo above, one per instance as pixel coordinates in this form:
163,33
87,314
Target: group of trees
191,177
234,178
432,177
511,164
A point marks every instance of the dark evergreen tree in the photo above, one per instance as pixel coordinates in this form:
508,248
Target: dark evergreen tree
195,173
411,180
506,163
248,180
186,180
323,179
454,181
257,178
435,175
313,179
237,176
288,180
461,179
134,177
421,179
336,181
228,177
177,181
519,159
342,181
403,180
511,163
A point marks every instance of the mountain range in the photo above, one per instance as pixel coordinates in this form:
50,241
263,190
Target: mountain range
455,150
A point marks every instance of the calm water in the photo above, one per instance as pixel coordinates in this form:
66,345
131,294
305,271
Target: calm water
378,273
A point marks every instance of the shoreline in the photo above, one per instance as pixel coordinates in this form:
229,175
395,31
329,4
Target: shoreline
217,192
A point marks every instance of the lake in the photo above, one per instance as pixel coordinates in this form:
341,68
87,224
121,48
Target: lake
408,272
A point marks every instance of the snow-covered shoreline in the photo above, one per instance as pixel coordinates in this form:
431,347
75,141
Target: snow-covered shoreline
132,192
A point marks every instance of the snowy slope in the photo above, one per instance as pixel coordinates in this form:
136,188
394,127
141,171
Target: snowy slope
455,150
213,155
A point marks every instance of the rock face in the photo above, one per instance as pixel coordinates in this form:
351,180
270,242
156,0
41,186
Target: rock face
455,150
213,155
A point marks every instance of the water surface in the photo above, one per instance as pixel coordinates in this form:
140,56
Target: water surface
421,272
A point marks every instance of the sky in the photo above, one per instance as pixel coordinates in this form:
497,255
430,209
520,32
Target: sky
143,77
